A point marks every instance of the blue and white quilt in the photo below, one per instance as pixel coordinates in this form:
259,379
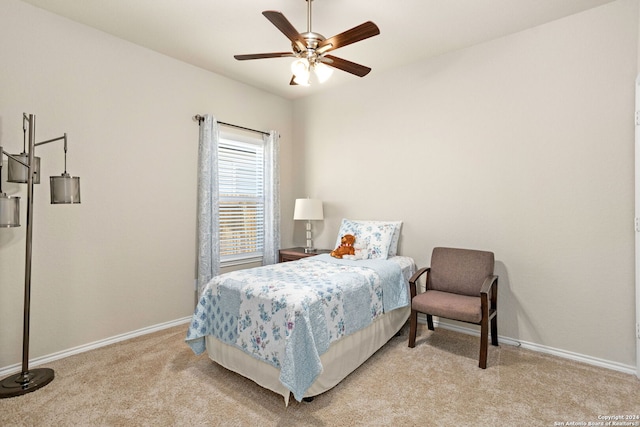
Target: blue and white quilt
288,314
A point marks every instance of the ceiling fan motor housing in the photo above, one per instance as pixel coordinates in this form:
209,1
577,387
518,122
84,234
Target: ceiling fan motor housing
308,49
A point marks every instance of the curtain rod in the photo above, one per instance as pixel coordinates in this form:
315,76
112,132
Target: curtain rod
200,118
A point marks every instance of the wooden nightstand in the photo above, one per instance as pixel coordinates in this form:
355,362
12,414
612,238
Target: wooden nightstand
294,254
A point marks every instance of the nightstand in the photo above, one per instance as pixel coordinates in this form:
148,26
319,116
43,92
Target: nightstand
294,254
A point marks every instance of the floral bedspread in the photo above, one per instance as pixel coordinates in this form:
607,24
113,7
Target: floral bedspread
288,314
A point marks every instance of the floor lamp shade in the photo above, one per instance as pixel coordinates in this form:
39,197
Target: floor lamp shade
20,173
65,189
9,211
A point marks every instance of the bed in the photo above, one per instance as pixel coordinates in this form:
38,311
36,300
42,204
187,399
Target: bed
301,327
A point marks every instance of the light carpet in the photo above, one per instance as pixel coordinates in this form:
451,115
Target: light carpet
155,380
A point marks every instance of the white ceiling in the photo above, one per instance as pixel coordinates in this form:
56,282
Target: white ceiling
207,33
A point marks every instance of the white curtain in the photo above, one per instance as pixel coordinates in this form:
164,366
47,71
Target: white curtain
272,198
208,202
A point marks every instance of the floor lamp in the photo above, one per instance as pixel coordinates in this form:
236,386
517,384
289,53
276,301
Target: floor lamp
65,189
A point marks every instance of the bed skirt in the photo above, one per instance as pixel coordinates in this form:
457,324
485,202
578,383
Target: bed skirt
343,356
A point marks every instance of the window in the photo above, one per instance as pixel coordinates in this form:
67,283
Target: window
241,184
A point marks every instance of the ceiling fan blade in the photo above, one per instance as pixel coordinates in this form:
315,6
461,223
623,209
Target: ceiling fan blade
356,34
344,65
283,24
264,55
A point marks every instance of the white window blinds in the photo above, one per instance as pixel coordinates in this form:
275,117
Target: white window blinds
241,183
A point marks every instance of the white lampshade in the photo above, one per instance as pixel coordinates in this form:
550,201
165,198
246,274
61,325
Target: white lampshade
9,211
308,209
300,66
322,71
19,173
300,70
65,189
302,79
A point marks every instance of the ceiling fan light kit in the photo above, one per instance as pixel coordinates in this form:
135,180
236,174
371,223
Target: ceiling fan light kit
301,69
322,71
310,49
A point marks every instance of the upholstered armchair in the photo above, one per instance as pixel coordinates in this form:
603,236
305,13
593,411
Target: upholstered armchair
460,285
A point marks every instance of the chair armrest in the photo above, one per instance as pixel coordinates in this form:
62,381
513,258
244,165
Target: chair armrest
417,274
414,280
489,285
489,293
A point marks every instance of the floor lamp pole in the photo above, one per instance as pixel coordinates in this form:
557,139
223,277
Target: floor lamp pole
27,380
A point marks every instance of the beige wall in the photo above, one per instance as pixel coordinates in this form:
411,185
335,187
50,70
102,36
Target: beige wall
125,258
523,146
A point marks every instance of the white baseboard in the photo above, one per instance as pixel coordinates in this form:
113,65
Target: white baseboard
8,370
615,366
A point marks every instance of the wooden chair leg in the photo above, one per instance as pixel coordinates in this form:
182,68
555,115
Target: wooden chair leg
494,330
413,326
484,340
430,322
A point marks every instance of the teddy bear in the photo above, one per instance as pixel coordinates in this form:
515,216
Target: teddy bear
346,246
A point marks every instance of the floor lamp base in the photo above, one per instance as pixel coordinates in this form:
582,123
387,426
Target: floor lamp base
19,384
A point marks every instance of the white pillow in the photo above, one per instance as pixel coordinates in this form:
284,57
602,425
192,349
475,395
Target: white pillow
393,247
378,238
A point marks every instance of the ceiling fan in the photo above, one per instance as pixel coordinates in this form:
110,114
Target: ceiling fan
311,49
